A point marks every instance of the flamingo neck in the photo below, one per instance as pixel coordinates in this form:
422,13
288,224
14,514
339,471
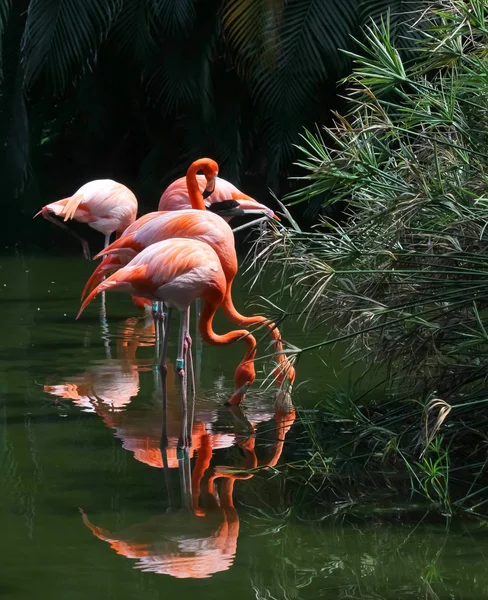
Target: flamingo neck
210,337
284,421
194,193
284,365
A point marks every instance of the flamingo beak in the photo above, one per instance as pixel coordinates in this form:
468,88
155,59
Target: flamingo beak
226,208
238,396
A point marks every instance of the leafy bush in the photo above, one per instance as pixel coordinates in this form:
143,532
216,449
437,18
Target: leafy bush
404,275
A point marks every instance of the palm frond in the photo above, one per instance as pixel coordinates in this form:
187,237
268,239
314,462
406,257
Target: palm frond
61,38
134,31
5,6
310,35
252,28
175,16
401,14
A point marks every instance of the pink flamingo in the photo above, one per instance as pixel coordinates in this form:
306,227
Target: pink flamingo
217,194
103,204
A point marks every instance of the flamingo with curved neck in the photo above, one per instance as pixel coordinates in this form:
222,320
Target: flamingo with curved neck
208,191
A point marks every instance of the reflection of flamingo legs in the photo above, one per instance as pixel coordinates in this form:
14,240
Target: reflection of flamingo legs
185,482
201,539
164,430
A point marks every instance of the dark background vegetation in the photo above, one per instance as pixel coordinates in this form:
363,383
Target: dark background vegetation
135,90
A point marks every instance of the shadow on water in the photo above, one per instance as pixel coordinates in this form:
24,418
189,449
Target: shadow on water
91,504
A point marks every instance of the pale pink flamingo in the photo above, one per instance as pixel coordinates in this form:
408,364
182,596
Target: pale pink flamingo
103,204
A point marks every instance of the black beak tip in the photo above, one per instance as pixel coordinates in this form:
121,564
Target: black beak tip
226,208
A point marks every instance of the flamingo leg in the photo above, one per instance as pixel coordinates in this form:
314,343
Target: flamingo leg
189,356
198,343
181,369
162,319
157,342
103,309
164,353
159,318
84,244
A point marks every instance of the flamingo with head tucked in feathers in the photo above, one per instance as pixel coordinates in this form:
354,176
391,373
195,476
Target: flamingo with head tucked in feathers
103,204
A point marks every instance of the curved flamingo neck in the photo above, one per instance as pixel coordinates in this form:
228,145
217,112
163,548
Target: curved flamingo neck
194,193
284,421
210,337
284,365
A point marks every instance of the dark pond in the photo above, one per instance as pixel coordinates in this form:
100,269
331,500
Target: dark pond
87,511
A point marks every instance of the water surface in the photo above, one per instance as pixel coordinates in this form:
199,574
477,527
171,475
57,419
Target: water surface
87,508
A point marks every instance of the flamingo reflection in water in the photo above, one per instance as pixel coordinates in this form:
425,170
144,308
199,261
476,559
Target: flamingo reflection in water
199,539
111,382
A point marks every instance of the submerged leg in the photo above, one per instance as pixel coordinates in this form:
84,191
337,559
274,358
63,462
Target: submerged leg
86,249
181,369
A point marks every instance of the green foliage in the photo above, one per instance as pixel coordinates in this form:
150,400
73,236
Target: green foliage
403,277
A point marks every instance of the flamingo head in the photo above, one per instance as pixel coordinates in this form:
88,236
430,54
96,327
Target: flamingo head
243,378
210,169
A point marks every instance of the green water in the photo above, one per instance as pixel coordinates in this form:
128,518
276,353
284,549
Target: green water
86,511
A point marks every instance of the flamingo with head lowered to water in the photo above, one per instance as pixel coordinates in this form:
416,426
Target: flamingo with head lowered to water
178,271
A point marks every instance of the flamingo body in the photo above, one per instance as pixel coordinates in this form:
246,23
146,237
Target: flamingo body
103,204
192,224
177,197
